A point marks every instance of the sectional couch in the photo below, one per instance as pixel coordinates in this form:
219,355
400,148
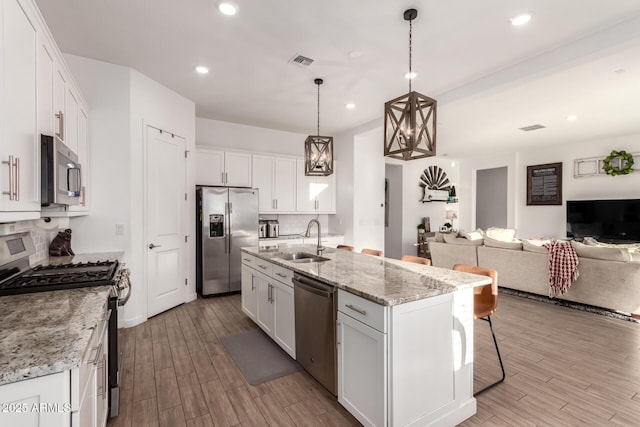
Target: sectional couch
614,285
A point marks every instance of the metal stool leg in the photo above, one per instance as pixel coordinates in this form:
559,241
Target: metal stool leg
488,319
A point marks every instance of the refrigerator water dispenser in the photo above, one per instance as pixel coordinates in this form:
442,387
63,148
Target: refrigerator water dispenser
216,225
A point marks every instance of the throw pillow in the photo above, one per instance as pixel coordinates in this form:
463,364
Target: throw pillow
597,252
514,244
502,234
451,238
635,255
593,242
535,245
474,235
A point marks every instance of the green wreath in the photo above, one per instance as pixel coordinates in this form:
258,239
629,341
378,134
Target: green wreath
624,157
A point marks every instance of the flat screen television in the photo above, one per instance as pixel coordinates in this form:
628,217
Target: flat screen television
612,221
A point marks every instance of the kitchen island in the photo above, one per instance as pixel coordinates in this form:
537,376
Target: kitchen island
404,331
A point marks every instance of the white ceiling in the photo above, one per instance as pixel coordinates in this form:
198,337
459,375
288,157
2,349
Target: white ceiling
489,77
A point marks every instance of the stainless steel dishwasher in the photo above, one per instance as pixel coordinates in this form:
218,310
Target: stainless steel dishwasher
315,307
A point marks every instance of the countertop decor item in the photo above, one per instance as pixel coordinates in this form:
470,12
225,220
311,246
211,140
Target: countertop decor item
410,119
624,164
61,244
318,150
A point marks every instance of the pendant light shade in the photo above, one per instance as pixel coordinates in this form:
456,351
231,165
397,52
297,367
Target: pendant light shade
318,150
410,120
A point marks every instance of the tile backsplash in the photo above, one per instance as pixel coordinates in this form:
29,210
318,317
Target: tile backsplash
42,234
297,224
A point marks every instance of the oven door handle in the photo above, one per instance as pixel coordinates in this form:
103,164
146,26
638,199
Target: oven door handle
122,302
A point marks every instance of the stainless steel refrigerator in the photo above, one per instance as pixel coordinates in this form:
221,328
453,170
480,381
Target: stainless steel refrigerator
227,220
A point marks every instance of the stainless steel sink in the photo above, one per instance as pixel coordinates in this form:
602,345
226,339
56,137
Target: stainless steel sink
302,257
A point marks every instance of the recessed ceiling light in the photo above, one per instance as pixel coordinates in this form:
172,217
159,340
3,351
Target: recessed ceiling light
227,8
355,54
521,19
350,106
202,69
572,117
410,76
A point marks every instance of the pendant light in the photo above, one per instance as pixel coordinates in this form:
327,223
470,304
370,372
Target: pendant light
318,150
410,120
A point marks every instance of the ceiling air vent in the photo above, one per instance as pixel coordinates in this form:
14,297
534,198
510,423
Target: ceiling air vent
533,127
300,60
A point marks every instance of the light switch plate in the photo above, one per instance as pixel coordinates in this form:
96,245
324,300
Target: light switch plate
119,229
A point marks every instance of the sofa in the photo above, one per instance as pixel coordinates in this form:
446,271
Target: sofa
609,284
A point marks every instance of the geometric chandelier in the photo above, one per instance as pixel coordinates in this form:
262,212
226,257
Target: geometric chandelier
410,120
318,150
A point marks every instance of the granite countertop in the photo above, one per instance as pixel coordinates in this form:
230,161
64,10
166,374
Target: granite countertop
385,281
47,332
301,236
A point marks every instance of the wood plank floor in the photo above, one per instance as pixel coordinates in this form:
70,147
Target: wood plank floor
564,367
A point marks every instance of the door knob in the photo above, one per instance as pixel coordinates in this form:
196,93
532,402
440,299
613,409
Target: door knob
151,246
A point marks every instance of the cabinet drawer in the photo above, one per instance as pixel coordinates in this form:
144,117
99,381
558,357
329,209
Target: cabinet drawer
283,275
263,266
249,260
368,312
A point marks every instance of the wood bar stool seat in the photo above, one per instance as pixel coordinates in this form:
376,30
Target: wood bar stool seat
372,252
416,259
485,302
345,248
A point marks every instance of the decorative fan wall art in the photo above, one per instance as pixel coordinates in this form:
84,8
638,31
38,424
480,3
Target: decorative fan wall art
434,178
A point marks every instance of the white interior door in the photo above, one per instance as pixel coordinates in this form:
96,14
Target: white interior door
165,207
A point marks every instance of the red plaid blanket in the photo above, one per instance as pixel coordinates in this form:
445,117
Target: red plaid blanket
563,267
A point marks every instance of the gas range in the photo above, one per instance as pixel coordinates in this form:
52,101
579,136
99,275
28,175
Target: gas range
61,276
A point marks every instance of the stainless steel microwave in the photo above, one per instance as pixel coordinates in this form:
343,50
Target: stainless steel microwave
60,173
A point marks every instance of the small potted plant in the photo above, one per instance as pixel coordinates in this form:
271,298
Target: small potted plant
421,228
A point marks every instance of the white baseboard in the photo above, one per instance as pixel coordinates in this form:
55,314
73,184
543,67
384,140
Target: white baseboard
192,297
128,323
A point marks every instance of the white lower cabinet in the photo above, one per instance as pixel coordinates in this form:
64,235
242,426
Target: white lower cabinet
362,370
249,293
407,364
42,401
267,297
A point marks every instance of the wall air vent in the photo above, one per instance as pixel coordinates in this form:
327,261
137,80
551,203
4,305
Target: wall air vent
300,60
532,127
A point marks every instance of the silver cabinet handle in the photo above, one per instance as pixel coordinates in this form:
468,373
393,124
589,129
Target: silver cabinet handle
60,117
357,310
253,286
276,204
11,177
151,246
246,259
84,196
281,275
98,354
226,178
264,267
16,180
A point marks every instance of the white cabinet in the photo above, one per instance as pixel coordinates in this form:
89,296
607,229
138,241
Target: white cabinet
215,167
264,315
275,177
315,194
407,364
71,119
249,293
267,291
21,402
362,375
19,142
83,159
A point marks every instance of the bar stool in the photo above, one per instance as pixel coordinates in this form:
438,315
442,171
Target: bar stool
345,248
372,252
485,302
416,259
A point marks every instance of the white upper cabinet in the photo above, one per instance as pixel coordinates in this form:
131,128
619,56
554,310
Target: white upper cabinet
71,120
275,178
19,142
83,159
316,194
215,167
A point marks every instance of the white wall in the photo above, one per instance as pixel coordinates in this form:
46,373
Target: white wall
542,221
233,136
106,88
121,102
368,194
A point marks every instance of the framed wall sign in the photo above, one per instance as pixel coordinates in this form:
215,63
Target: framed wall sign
544,184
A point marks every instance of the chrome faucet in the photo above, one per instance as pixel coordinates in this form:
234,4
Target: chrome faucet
320,248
